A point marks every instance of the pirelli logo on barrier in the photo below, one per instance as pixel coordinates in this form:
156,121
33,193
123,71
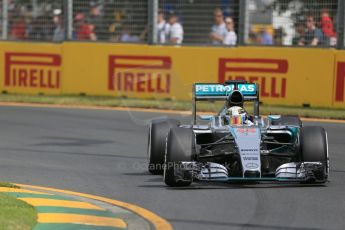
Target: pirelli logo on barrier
32,70
140,74
340,82
271,74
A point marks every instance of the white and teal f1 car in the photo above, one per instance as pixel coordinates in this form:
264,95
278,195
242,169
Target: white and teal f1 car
273,148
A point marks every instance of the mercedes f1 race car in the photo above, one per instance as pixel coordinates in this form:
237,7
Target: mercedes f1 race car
234,146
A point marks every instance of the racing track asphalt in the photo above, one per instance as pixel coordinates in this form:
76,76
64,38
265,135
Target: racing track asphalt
104,153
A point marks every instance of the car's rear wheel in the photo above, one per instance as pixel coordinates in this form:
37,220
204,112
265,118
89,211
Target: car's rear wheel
179,147
158,131
314,146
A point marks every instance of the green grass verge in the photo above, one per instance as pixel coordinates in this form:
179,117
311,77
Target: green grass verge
8,185
166,104
15,214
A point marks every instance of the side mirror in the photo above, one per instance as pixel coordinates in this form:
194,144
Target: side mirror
274,117
206,117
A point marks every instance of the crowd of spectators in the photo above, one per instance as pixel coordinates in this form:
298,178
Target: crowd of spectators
91,24
309,32
171,31
263,36
44,25
223,30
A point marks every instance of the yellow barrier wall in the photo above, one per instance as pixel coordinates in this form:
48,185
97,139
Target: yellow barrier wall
31,68
339,81
291,76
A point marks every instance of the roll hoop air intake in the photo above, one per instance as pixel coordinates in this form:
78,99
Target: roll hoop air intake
235,98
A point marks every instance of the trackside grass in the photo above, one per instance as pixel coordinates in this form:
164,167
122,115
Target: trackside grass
8,185
15,214
107,101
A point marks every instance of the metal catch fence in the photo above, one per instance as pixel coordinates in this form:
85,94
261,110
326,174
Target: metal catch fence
291,22
112,20
177,22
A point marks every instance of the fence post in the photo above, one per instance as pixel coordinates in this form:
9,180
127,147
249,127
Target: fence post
4,25
242,22
152,21
340,24
68,22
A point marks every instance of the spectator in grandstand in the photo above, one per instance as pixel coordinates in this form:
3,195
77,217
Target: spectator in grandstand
279,34
143,36
230,37
299,34
116,27
253,38
265,37
18,28
327,23
313,35
328,28
59,32
41,28
85,31
128,36
162,27
218,30
175,32
96,20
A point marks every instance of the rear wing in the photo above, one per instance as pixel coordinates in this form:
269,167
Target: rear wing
221,92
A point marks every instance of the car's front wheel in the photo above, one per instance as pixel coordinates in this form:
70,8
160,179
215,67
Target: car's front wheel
158,131
314,146
178,148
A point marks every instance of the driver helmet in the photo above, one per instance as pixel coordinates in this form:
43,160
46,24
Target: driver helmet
237,115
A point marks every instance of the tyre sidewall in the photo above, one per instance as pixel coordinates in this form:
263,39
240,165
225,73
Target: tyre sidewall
314,145
179,147
158,130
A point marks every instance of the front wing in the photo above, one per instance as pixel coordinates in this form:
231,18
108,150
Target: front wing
308,172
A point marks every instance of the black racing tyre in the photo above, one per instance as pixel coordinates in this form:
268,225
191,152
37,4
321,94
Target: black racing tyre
314,145
288,120
179,147
158,130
